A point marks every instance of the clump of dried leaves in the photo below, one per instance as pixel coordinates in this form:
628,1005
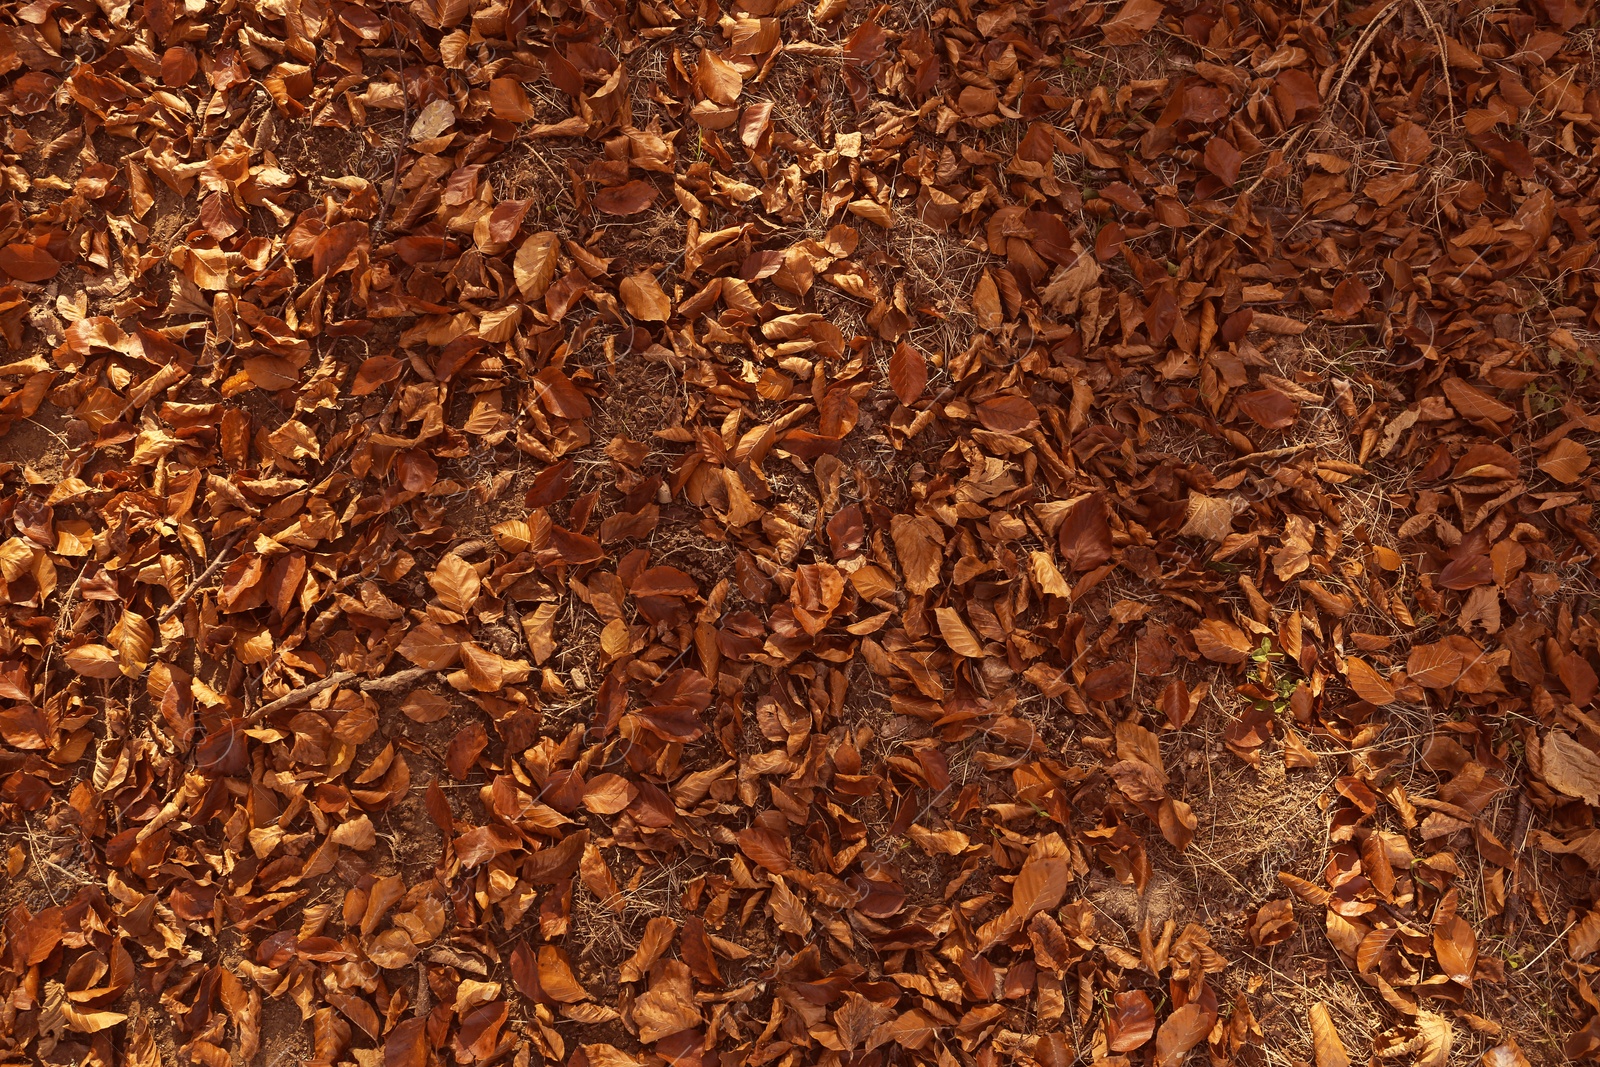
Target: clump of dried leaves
698,533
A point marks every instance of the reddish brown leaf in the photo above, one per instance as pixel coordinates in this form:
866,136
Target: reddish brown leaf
908,373
1085,534
1131,1022
627,199
1131,22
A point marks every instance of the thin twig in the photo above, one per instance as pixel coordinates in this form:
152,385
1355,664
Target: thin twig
337,678
1553,942
1444,57
200,579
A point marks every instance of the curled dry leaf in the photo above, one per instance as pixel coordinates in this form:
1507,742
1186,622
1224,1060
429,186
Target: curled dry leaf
1274,922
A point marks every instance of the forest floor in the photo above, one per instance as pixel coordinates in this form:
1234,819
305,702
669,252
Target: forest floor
663,533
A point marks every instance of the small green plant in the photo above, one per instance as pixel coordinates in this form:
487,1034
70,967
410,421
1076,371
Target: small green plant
1545,399
1265,653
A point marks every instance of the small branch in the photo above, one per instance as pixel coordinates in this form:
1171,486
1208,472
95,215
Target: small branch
1444,57
338,678
200,579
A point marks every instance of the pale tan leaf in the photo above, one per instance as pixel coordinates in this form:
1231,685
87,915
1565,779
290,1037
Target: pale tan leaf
668,1006
392,949
609,1056
872,211
1183,1030
1435,1036
788,910
538,627
1208,517
456,582
1584,937
1508,1054
947,842
1047,575
499,324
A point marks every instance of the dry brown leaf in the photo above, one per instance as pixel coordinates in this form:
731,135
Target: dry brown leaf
642,296
1182,1031
667,1007
908,373
1368,684
1325,1040
957,635
1571,768
535,264
1566,461
1435,1039
1132,21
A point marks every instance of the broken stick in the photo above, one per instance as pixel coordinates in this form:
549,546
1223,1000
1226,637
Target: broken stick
306,692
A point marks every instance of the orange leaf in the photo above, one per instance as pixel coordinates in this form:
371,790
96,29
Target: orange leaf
1221,642
28,263
961,639
508,101
1456,948
1132,1022
1183,1030
1368,684
642,296
1325,1040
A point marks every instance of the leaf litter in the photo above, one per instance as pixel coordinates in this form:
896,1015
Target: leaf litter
667,533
